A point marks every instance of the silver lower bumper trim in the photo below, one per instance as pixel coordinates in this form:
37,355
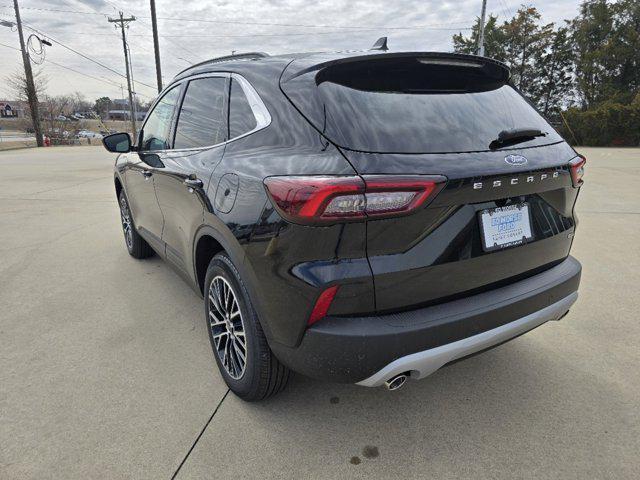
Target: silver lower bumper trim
422,364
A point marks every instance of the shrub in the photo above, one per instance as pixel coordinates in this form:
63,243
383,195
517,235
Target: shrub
609,124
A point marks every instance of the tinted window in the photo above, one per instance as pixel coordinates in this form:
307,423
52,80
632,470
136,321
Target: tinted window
414,106
241,117
156,130
203,117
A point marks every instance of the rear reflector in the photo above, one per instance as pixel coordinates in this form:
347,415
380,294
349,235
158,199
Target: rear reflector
577,170
322,304
326,199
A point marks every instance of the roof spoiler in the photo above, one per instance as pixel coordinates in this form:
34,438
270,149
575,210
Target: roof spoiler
492,68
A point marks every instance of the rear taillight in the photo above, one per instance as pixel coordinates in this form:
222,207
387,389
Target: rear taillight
577,170
326,199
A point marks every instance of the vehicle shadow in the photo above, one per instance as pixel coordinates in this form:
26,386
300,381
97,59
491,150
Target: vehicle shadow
470,418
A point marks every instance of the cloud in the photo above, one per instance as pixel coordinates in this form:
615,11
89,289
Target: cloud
274,26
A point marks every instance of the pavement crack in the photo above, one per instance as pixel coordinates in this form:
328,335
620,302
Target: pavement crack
200,435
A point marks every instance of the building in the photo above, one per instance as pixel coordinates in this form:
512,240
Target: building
120,110
12,109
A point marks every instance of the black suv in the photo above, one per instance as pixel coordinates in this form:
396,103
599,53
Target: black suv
361,217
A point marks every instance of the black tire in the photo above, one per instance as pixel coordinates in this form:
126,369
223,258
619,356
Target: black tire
136,245
263,375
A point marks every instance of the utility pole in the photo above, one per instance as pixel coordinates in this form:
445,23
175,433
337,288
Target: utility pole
156,45
123,23
31,87
481,31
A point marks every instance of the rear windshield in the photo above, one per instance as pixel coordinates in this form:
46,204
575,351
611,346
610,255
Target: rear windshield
413,107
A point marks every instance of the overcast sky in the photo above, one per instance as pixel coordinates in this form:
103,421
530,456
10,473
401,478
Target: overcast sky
194,31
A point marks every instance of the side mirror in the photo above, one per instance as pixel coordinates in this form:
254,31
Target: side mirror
117,143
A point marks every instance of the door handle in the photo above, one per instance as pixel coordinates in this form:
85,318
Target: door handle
193,182
146,173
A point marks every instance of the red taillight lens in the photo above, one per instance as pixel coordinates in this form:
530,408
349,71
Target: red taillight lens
577,170
307,198
317,199
322,305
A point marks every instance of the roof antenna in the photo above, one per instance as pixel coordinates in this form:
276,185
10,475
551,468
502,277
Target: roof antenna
381,44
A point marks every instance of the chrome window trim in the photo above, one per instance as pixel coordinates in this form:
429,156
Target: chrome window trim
259,109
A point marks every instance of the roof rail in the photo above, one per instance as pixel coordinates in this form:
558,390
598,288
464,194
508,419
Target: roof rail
238,56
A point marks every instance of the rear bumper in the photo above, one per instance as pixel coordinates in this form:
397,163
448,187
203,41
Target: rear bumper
370,350
426,362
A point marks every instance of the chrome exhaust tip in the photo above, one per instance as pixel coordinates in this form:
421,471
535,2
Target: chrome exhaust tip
397,382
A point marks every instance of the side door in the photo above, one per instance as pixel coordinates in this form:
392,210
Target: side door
142,164
200,133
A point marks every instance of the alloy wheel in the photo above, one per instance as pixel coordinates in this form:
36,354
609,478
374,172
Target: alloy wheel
227,327
125,217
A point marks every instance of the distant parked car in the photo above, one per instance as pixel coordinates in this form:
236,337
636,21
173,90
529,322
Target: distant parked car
88,134
60,133
61,118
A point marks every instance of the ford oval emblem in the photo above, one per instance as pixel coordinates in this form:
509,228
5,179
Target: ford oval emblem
515,160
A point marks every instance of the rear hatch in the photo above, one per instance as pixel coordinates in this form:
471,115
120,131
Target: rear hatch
443,114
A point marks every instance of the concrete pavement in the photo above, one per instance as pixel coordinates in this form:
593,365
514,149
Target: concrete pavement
106,369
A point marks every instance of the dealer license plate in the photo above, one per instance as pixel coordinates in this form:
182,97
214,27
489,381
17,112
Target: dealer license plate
504,227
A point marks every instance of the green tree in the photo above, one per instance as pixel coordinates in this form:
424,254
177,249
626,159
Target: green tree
553,86
494,40
606,38
623,51
525,39
592,31
539,57
102,106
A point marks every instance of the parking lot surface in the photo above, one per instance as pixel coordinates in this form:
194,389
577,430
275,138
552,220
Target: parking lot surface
106,369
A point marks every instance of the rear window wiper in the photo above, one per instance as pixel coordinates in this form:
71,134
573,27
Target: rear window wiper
515,135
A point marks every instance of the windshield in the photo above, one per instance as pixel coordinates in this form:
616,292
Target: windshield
414,110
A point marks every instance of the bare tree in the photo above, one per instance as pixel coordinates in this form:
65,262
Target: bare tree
17,84
54,111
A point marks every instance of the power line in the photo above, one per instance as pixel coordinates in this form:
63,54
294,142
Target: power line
80,53
9,46
151,27
103,80
303,25
288,34
31,27
274,24
108,34
507,11
60,10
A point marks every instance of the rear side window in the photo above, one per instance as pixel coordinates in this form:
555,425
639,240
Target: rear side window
413,105
202,120
155,133
241,117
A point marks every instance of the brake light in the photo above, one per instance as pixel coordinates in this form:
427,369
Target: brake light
318,199
577,170
322,305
